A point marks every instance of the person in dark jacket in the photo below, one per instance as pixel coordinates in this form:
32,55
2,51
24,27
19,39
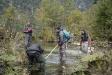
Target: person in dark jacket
84,41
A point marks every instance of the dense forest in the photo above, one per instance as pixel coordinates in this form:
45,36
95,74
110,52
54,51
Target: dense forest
94,16
38,11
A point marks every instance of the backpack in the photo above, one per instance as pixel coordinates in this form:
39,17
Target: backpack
66,35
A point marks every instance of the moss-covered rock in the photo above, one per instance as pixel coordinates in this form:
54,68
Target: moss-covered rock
82,67
97,64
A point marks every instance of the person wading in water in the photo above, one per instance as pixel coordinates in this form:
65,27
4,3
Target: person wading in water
33,50
85,41
63,37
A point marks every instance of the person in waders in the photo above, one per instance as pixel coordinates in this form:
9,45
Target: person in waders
84,43
63,37
33,50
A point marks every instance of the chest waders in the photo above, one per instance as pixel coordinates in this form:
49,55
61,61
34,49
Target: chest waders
61,55
36,64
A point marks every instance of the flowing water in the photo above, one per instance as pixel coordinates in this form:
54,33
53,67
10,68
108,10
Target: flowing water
71,57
